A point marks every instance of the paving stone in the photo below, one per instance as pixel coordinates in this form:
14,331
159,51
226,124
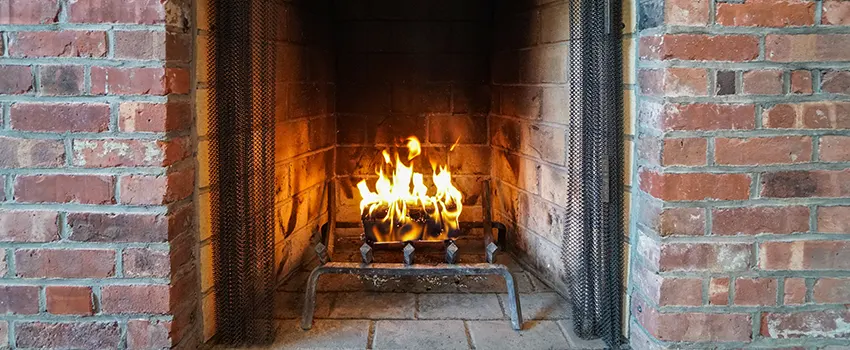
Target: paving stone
509,261
459,307
425,335
542,306
575,341
539,286
290,305
535,335
370,305
295,283
493,284
325,334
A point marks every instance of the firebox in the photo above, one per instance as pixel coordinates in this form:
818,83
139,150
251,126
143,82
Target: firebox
370,153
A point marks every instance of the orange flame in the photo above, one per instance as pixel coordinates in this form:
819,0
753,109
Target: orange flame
406,191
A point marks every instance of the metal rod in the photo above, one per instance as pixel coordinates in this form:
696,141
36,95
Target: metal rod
488,215
383,269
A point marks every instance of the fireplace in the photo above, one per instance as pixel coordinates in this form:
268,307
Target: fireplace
405,151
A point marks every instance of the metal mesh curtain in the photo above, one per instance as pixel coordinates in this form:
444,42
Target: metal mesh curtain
241,134
594,234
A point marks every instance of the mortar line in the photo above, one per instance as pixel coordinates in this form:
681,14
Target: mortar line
813,218
780,291
469,342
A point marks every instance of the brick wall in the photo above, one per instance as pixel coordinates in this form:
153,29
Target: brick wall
741,212
97,245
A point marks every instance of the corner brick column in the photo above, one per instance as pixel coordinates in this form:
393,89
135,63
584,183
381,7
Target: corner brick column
97,238
742,207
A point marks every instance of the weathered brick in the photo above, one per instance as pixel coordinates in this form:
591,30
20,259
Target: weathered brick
795,291
143,45
815,183
781,116
707,116
144,189
755,291
763,150
718,291
60,117
805,255
64,43
695,186
692,326
61,80
107,153
801,82
117,11
84,189
154,117
131,81
148,334
65,263
807,47
22,300
31,153
811,115
29,12
686,13
836,13
4,266
104,227
832,291
759,220
765,13
682,222
4,333
29,226
680,291
144,262
687,151
699,47
76,335
763,82
836,82
463,129
674,81
69,300
16,79
135,299
714,257
812,324
834,219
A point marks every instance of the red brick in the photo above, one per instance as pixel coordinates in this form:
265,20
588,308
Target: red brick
689,151
763,82
143,45
795,291
808,324
801,82
686,13
805,255
763,150
4,266
143,189
700,47
154,117
108,153
105,227
682,222
692,326
22,300
826,115
148,334
832,291
816,183
130,81
755,291
718,291
16,79
766,13
673,82
144,262
178,81
31,153
84,189
29,11
4,333
69,300
759,220
836,82
695,186
834,148
834,219
60,117
117,11
61,80
29,226
65,263
781,116
64,43
705,257
135,299
836,13
708,116
807,47
680,291
70,335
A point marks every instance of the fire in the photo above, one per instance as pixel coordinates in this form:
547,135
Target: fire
410,210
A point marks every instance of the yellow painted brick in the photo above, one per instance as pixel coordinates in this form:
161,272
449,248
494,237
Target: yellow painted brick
629,18
204,216
203,164
628,152
207,281
209,316
202,64
627,205
629,52
625,314
629,112
202,111
201,14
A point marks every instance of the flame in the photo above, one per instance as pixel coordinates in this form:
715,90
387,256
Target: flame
404,192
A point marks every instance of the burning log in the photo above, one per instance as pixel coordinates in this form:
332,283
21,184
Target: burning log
418,226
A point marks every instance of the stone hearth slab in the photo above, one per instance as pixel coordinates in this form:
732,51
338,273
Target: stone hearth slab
374,305
542,306
325,334
415,335
575,341
535,335
460,307
289,304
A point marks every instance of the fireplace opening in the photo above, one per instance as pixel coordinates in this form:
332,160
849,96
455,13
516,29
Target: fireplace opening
428,158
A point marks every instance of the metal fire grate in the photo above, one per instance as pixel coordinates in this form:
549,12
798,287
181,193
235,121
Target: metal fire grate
241,106
593,255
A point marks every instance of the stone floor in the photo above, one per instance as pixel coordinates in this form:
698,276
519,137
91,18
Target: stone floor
424,313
